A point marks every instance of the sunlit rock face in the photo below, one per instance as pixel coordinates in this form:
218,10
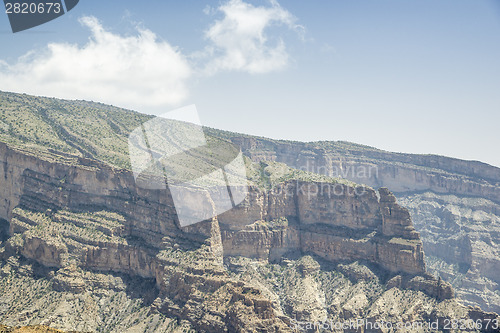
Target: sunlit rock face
83,248
454,204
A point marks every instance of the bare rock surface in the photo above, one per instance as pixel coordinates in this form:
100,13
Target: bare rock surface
454,203
461,238
92,238
82,248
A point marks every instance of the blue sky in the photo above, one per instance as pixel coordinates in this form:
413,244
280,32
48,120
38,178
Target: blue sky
409,76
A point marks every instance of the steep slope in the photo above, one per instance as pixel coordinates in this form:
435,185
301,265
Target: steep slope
86,129
86,225
461,237
77,220
454,203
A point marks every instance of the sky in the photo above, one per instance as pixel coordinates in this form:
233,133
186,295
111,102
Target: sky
405,76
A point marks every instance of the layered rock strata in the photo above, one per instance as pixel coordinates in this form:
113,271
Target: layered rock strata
453,203
334,221
69,213
84,214
376,168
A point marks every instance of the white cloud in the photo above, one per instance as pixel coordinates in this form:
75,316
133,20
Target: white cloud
145,73
131,71
240,42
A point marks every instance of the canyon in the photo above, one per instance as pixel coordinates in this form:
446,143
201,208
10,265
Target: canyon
83,248
454,204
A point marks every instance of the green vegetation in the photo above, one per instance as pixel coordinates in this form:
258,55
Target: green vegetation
65,130
269,174
75,127
403,241
87,227
99,131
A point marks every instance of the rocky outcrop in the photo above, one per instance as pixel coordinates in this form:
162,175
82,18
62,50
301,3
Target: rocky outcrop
85,246
334,221
86,214
93,217
461,237
453,203
376,168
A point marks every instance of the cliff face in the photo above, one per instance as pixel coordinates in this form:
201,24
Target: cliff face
70,213
453,203
334,221
87,215
461,237
81,247
365,165
78,183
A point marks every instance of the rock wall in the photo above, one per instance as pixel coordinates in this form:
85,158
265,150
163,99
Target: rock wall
55,182
376,168
454,204
40,184
461,237
335,221
76,218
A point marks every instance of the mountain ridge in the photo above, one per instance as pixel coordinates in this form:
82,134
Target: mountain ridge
84,159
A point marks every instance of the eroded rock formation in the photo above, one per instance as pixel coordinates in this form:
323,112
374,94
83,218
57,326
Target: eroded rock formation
72,214
83,248
333,221
454,203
